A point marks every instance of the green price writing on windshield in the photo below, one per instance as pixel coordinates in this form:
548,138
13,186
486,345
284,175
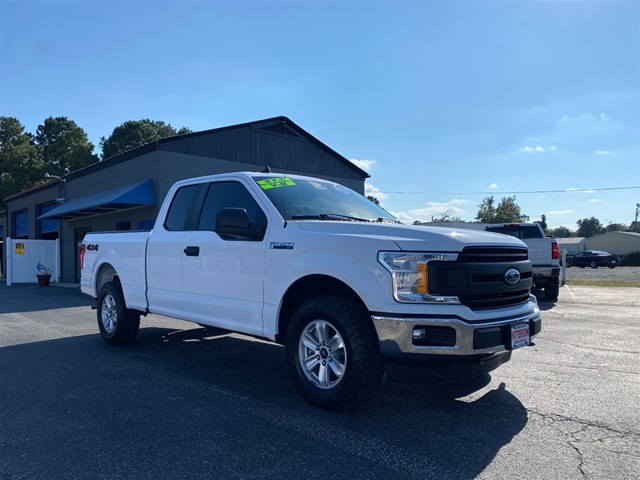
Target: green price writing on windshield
275,183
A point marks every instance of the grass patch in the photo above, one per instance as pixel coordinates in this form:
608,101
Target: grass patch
597,282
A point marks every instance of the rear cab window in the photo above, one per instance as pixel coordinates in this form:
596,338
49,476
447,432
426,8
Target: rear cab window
518,231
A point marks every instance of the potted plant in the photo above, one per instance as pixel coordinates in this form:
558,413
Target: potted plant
43,273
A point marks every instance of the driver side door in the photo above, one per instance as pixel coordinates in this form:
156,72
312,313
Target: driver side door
222,277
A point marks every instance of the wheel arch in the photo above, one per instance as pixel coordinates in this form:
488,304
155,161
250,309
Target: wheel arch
309,287
106,273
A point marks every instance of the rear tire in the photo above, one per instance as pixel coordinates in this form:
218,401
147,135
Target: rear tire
593,264
333,353
118,325
552,289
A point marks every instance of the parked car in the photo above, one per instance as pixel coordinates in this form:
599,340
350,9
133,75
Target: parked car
593,259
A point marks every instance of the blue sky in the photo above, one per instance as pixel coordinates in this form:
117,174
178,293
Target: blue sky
442,102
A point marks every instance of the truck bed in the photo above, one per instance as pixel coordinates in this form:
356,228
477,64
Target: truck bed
125,252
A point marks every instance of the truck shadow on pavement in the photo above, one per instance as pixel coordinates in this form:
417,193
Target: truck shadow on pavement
199,403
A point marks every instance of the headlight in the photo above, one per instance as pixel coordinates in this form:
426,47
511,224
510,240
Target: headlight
410,274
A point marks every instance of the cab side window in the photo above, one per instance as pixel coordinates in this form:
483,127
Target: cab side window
181,208
229,195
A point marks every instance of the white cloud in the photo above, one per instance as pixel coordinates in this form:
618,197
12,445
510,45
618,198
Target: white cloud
363,164
602,152
432,209
374,192
562,212
578,190
594,200
587,125
493,186
538,149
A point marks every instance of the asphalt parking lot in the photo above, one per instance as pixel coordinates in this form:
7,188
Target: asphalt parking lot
185,402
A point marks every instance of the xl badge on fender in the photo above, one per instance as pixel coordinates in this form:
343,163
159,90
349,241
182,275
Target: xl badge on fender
281,245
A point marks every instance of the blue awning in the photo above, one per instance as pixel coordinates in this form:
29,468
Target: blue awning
135,195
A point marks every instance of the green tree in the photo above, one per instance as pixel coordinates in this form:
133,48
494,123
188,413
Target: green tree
487,210
446,217
542,222
21,164
561,232
136,133
590,227
65,146
507,211
616,227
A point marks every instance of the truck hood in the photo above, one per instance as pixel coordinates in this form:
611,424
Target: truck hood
410,237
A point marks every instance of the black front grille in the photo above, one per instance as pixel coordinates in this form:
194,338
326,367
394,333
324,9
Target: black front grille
478,277
493,255
494,300
497,277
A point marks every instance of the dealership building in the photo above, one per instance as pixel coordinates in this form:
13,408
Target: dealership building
125,192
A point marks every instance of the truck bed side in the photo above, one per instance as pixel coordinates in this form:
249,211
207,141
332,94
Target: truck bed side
121,252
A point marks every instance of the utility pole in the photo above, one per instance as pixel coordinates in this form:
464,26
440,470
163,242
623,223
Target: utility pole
636,222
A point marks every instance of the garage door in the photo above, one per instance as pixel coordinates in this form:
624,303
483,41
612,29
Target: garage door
48,226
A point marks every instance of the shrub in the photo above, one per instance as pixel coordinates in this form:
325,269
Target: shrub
631,260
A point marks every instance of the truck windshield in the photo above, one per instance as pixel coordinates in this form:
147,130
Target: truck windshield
313,199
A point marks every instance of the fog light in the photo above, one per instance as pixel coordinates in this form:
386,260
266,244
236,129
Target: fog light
419,333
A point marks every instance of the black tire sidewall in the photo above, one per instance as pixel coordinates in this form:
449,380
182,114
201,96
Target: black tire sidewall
127,322
364,364
552,289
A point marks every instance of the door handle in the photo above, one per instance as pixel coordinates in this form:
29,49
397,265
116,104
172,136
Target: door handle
192,251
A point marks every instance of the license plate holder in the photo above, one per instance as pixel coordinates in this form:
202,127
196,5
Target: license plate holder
520,335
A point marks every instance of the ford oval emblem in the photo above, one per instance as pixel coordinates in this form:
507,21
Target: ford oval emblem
511,277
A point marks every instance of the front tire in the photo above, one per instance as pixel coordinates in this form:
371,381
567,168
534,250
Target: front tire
552,289
118,325
333,354
593,264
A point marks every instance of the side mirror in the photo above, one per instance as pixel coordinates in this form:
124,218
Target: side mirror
234,224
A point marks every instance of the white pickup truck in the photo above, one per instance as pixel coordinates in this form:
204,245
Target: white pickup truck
310,264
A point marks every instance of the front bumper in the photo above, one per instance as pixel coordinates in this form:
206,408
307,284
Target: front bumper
448,336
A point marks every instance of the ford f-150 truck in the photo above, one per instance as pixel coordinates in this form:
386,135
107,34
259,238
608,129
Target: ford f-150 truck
310,264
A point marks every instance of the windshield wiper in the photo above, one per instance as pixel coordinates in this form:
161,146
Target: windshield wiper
329,216
387,220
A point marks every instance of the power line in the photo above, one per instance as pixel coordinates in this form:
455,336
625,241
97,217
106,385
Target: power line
569,190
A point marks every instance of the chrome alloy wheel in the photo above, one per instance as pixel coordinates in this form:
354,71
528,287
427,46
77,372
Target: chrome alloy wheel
322,354
109,315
